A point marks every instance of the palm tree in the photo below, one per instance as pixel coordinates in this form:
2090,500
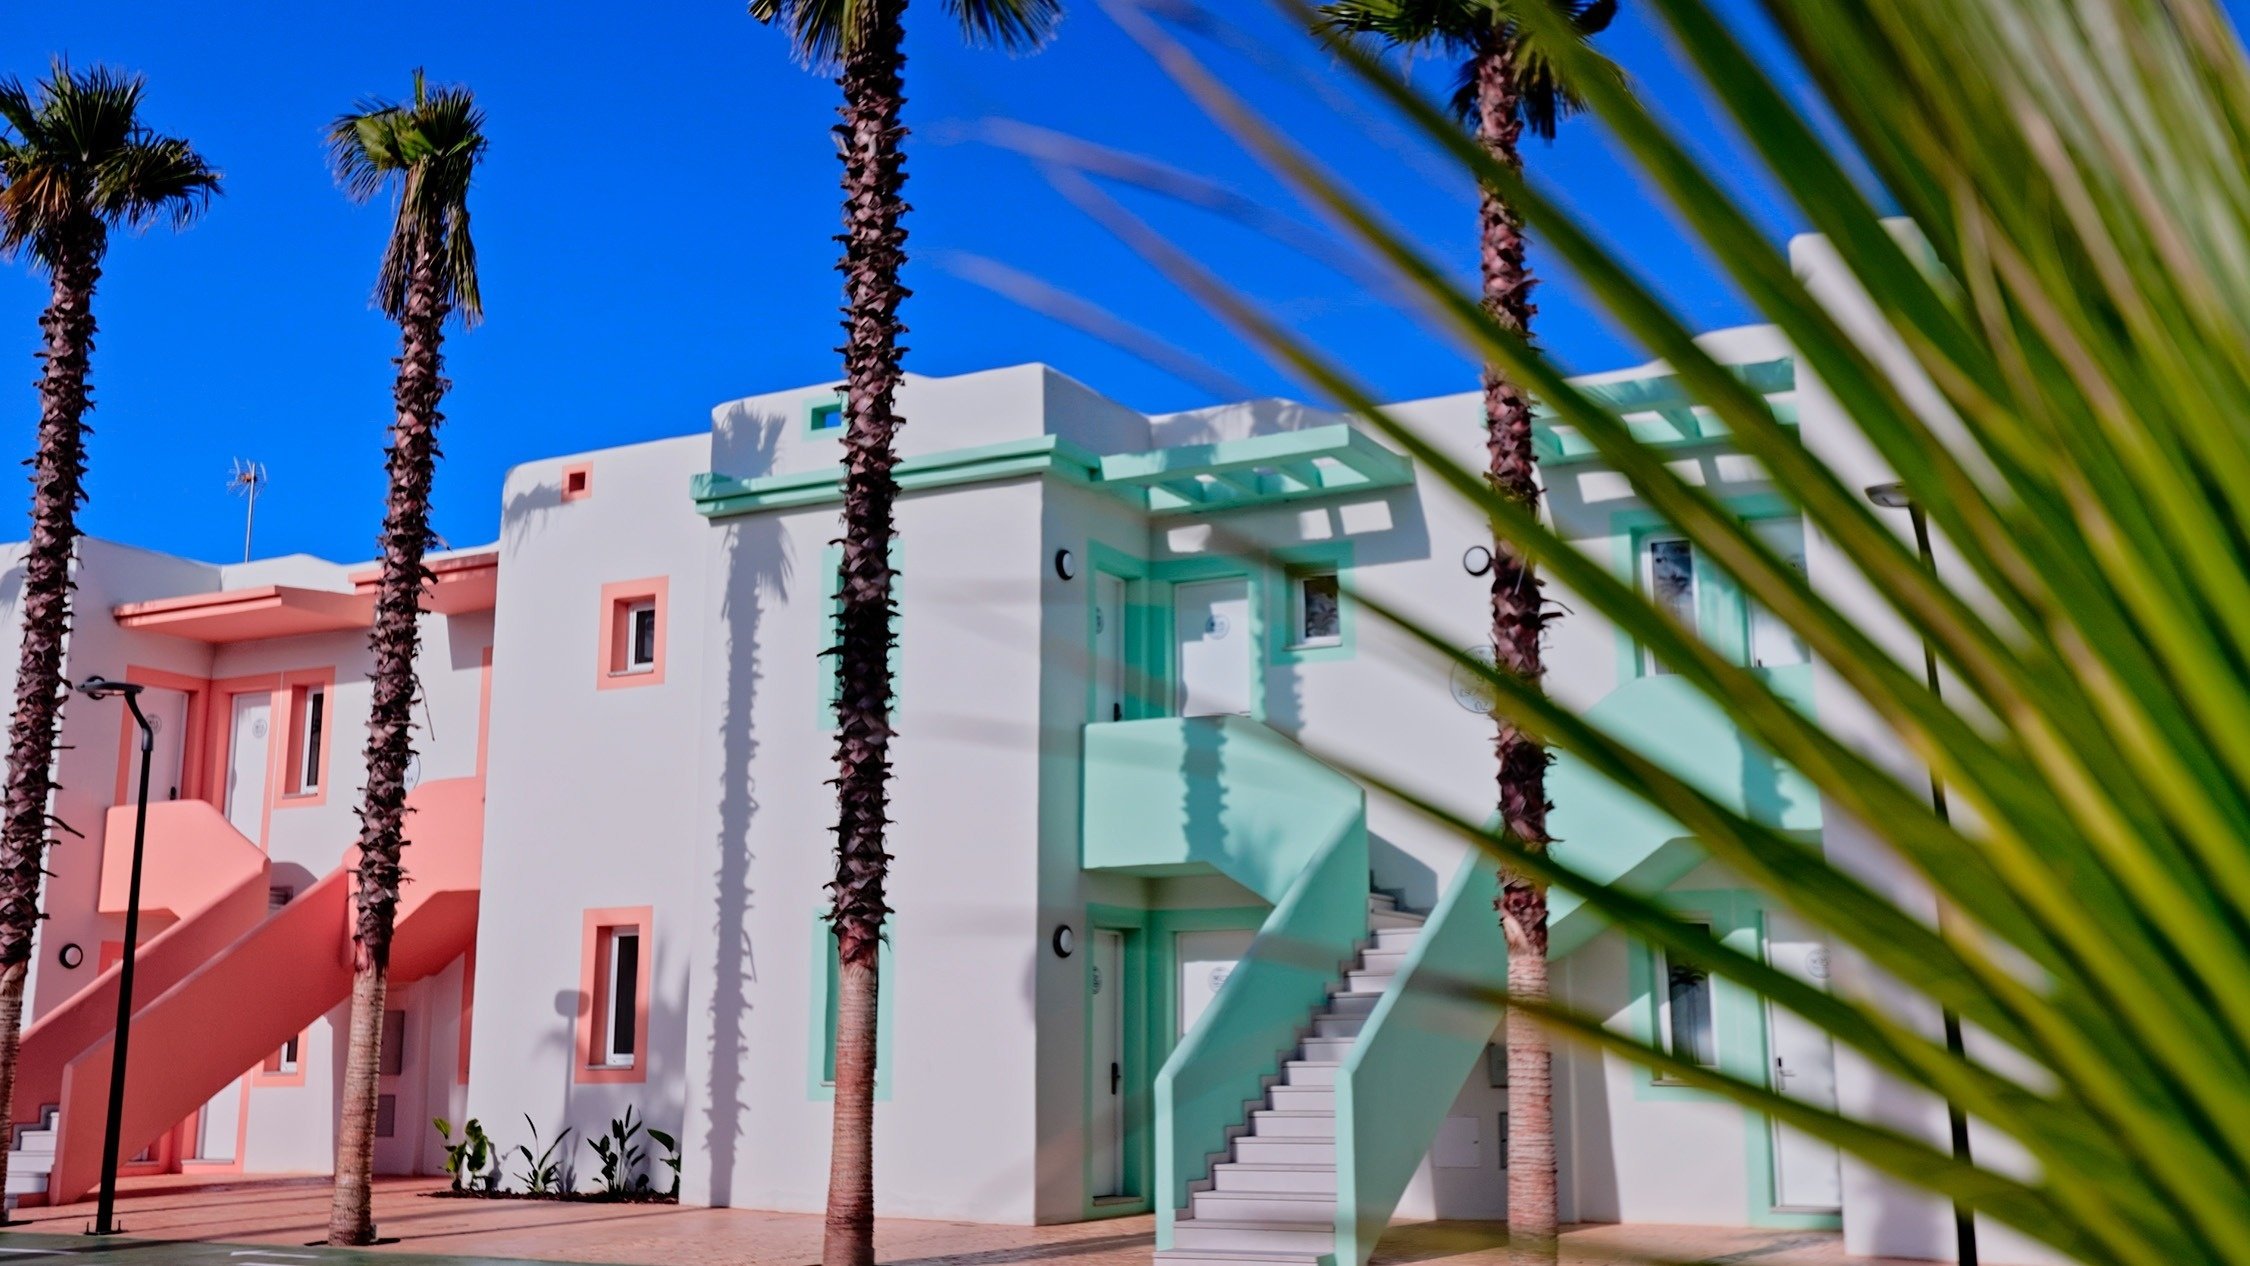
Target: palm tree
75,161
1507,86
861,42
426,152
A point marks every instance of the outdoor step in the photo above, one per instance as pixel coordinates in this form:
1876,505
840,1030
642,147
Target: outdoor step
1309,1072
1276,1124
1216,1257
1383,920
1303,1099
1285,1151
35,1143
1374,982
1381,901
1322,1049
1304,1179
1337,1025
1396,938
1317,1208
25,1183
1382,960
1254,1237
1352,1003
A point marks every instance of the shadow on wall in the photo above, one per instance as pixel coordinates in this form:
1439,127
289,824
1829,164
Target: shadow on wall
756,562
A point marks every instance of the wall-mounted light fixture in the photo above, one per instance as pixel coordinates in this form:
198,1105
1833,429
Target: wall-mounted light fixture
1066,940
1066,564
1476,560
70,955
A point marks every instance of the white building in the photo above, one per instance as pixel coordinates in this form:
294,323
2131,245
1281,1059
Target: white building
1151,952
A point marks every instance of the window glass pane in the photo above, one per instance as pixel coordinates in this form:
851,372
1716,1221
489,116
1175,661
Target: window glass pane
1690,1034
316,705
386,1116
392,1060
644,635
1320,613
624,994
1671,584
1772,643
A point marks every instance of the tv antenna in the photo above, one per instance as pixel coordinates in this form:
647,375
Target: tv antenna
247,479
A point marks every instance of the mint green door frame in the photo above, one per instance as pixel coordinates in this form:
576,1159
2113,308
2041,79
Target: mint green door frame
1139,1059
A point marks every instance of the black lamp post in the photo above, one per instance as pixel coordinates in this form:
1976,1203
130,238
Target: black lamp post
105,1212
1894,496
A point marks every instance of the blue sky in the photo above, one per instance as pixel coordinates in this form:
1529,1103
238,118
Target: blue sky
654,225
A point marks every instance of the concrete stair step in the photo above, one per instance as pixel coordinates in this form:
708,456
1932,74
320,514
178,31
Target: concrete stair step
1217,1257
1382,961
1303,1179
1269,1123
1309,1072
1352,1003
34,1143
1311,1208
1383,920
1374,982
1381,901
1328,1048
1303,1099
1396,938
1338,1025
1285,1151
1291,1238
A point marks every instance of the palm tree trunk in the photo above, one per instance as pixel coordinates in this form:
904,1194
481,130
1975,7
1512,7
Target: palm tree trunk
57,487
1519,616
390,739
874,250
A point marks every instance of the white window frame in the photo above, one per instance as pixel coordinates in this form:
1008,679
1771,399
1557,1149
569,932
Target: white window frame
616,1021
1297,638
634,610
309,738
1660,961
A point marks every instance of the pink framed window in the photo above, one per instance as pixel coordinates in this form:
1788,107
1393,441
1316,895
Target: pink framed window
578,481
633,631
613,984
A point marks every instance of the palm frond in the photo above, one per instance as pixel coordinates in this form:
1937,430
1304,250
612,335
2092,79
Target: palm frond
425,153
1016,25
76,158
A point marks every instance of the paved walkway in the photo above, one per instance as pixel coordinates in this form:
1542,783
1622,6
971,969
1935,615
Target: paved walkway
227,1218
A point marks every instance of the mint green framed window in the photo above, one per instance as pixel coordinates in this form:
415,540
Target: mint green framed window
824,415
832,566
1694,590
1142,681
821,1083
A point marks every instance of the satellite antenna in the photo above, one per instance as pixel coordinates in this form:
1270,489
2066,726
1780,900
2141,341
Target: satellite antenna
247,479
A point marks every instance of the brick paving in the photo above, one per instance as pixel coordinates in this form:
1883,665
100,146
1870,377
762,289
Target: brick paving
291,1212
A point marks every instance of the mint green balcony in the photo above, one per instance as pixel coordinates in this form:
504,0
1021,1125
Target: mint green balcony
1227,795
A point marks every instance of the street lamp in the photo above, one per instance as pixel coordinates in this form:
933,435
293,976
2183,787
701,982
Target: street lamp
1894,496
105,1212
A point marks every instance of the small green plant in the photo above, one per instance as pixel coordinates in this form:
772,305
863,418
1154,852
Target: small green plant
621,1156
671,1148
542,1172
472,1159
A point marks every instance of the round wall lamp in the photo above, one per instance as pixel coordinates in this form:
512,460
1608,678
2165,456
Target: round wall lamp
70,955
1066,564
1066,940
1476,560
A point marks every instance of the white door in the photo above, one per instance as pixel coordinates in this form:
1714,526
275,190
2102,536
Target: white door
1212,621
1206,959
247,752
1109,647
218,1123
1106,1069
1804,1067
167,717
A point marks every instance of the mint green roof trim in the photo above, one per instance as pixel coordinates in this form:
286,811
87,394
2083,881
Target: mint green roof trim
719,496
1660,412
1319,461
1194,478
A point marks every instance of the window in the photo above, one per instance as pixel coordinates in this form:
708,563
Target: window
825,417
303,711
1317,612
1668,571
825,1036
284,1061
578,482
391,1060
1772,643
619,1046
613,1008
1684,1013
305,746
632,633
386,1116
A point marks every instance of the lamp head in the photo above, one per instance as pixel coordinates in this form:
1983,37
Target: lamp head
1890,496
103,687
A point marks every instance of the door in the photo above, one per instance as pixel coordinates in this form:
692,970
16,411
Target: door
1109,647
1212,621
1805,1176
167,718
1206,959
1105,1069
247,751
